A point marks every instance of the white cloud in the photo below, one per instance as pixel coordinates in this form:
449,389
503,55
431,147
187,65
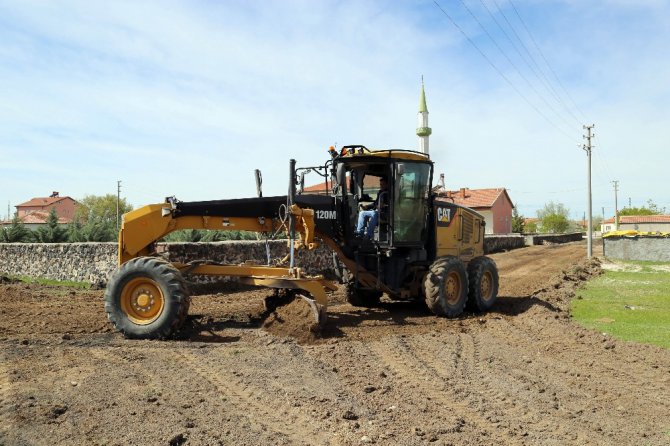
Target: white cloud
188,98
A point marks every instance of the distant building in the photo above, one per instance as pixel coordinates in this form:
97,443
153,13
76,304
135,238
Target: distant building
35,212
494,204
642,223
531,224
320,189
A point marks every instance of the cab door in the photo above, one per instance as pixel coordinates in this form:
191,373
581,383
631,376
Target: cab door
410,207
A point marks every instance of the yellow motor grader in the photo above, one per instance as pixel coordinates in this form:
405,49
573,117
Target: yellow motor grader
423,247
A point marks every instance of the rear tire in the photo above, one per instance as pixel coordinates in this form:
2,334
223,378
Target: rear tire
446,287
146,298
483,278
362,298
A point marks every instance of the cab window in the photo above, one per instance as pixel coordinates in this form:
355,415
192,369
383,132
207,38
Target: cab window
411,201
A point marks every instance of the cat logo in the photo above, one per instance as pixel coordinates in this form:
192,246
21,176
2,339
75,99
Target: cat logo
443,216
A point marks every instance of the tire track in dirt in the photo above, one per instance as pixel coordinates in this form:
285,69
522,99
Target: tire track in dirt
168,384
589,378
543,351
414,373
466,375
471,380
582,350
522,397
275,410
245,401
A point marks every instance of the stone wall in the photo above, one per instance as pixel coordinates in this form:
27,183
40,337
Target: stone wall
498,243
78,262
637,248
541,239
94,262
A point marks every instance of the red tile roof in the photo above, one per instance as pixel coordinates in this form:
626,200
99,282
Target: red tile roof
370,181
633,219
473,198
41,201
318,188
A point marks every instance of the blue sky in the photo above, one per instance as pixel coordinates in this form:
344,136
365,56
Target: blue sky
188,98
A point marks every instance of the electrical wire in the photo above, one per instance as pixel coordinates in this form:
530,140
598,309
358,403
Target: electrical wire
532,59
501,73
541,76
537,47
532,87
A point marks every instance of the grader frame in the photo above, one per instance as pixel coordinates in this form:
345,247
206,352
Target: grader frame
425,248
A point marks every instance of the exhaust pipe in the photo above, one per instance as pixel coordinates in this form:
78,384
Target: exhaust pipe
259,183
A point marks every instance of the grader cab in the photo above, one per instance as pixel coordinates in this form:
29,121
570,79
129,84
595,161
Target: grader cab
421,248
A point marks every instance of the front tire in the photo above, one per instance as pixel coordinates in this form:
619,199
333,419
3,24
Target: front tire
446,287
146,298
483,278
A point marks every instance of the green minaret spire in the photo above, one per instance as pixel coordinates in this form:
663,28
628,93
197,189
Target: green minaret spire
422,99
423,131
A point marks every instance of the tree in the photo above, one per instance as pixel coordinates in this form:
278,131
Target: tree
650,209
95,229
52,232
554,218
596,221
95,218
518,221
16,233
531,227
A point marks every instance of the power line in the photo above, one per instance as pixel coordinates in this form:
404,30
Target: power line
532,59
512,63
541,76
500,72
537,47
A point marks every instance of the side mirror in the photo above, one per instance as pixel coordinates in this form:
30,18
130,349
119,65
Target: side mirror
301,188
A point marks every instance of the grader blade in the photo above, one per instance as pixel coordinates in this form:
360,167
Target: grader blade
318,312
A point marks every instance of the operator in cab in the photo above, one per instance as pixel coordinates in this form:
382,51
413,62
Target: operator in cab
368,217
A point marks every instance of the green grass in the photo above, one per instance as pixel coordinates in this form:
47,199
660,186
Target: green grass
632,304
51,282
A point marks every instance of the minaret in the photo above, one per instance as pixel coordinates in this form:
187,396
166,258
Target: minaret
423,130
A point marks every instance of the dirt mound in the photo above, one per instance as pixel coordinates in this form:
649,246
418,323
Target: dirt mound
562,289
295,319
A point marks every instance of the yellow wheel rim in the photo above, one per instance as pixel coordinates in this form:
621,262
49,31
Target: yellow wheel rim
142,300
452,287
486,286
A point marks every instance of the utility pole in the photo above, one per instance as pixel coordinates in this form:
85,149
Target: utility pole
629,205
118,200
616,205
587,147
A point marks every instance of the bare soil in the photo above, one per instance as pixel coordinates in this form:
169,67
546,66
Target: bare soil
522,374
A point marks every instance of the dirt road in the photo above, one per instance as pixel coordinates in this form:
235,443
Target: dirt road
523,374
